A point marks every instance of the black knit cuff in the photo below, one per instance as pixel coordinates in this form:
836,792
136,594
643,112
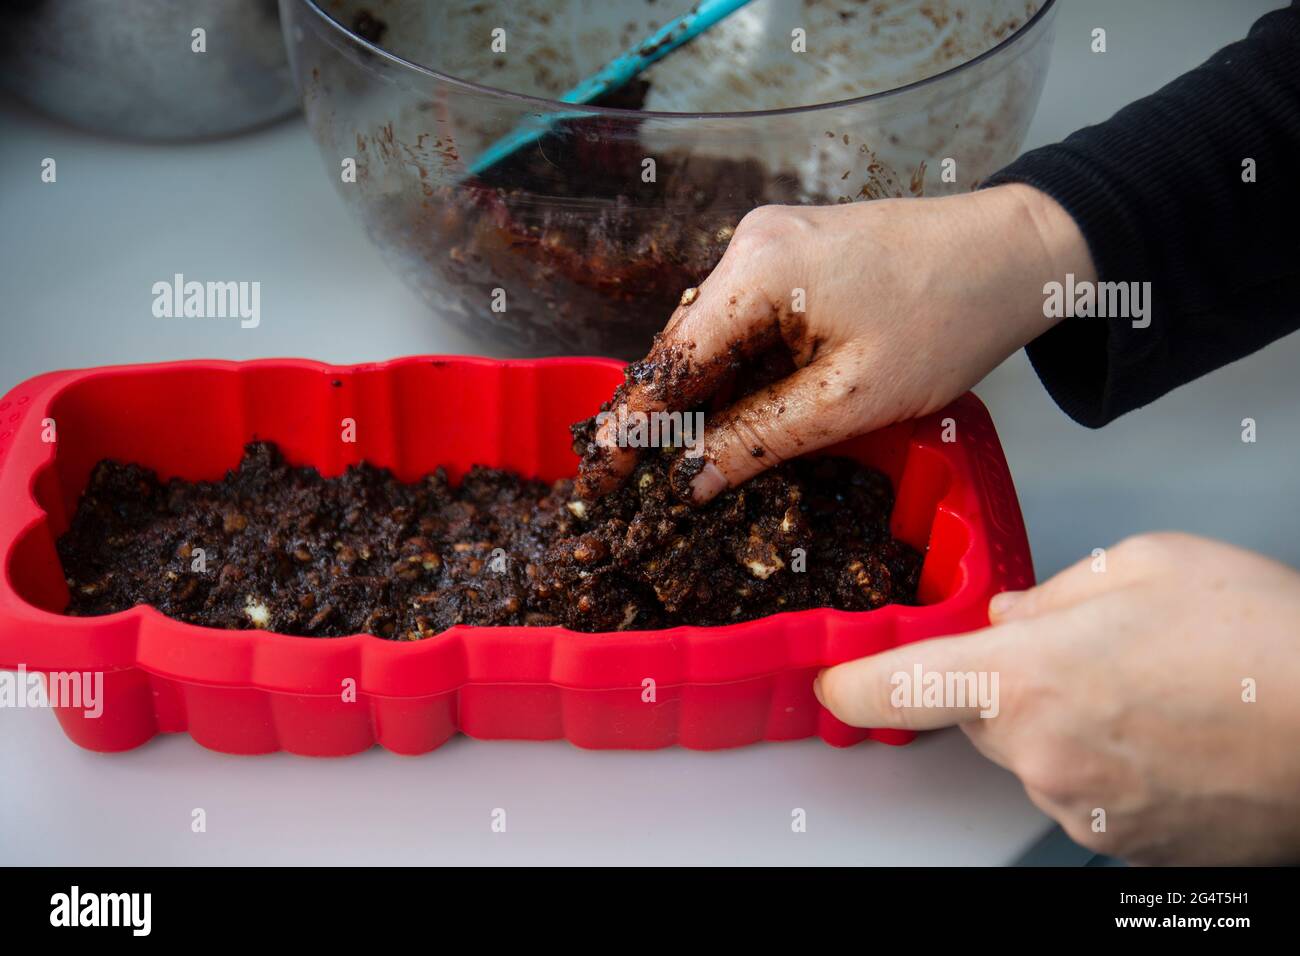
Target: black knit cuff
1076,360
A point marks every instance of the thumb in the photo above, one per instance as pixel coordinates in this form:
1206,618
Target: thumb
923,686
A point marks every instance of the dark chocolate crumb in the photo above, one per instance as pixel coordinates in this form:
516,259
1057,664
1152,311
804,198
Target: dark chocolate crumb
368,26
290,551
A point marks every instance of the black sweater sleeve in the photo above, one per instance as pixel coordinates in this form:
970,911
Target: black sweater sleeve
1159,194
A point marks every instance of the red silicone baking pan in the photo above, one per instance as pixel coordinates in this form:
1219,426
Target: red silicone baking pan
251,692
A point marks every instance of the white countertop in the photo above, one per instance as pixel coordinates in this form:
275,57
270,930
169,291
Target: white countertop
79,258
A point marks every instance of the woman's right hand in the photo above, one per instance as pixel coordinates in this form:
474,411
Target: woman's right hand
890,309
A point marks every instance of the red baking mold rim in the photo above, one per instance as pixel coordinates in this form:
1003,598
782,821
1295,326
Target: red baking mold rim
256,692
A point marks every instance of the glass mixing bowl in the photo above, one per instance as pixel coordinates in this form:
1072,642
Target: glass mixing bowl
582,241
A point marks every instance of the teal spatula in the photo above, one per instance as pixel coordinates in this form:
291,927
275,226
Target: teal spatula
652,49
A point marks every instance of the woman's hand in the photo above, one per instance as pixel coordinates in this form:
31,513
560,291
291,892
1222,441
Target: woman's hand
1163,691
891,309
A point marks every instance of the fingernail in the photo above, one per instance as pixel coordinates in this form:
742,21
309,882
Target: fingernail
707,483
817,688
1003,602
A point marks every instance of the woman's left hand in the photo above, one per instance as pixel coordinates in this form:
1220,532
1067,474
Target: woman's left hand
1149,701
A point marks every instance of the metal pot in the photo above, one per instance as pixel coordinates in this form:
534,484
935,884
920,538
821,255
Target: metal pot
133,68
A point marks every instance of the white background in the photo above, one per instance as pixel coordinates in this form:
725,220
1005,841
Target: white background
78,260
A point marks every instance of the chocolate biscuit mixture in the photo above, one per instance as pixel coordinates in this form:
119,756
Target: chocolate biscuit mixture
592,255
286,550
